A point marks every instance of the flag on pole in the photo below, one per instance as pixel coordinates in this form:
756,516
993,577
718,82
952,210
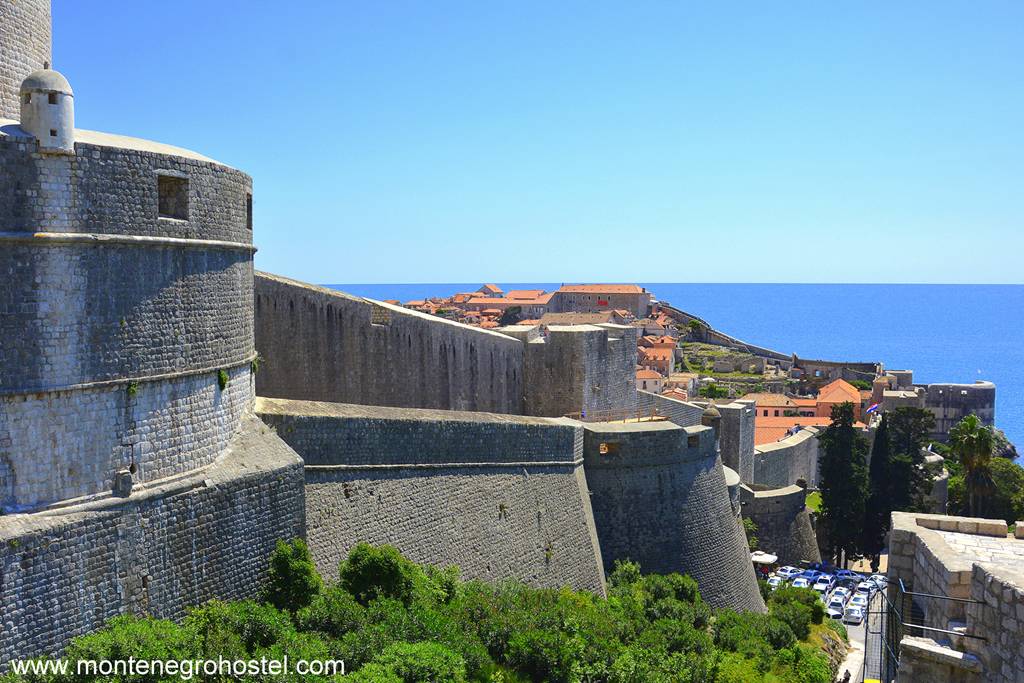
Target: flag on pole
873,408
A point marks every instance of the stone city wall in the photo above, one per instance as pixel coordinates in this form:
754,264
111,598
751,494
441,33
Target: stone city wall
677,412
783,524
323,345
25,39
736,437
113,341
502,497
785,462
166,547
588,368
660,498
950,403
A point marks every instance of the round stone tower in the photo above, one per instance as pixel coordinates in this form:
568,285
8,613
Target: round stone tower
48,111
25,42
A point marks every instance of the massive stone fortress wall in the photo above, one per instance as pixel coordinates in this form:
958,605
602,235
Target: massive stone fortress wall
950,403
736,437
177,544
581,368
25,37
783,524
498,495
787,461
660,498
323,345
117,321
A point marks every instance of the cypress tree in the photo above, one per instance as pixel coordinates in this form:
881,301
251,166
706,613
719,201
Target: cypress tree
878,513
843,482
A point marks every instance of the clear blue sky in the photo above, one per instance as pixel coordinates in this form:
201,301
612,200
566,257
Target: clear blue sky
586,141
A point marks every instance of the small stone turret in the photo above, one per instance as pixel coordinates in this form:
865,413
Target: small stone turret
712,418
48,111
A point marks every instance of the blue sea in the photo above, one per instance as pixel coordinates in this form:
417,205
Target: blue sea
944,333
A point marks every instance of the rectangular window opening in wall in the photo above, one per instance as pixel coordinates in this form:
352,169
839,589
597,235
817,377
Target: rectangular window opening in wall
173,202
52,98
248,210
609,448
53,132
692,441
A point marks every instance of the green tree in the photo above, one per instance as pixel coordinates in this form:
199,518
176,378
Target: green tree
972,443
1007,499
750,529
293,581
375,572
843,481
878,511
910,478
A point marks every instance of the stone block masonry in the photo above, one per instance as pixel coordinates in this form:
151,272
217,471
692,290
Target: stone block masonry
323,345
25,37
677,412
660,498
175,543
783,523
500,496
787,461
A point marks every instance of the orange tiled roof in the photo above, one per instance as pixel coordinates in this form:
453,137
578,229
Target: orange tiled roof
416,302
531,321
768,400
488,324
839,391
602,289
494,289
540,300
524,293
491,311
771,429
648,374
655,353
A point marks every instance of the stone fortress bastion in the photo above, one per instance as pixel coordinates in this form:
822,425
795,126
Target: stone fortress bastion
139,472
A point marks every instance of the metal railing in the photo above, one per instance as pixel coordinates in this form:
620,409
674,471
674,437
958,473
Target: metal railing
886,626
619,415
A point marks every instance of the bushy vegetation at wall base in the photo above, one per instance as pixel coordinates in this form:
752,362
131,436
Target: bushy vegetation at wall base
393,621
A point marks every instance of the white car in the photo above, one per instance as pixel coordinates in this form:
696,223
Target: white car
775,581
841,593
867,588
835,609
788,573
858,600
823,583
853,615
881,580
801,582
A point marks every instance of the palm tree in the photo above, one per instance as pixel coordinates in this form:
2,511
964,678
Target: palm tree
972,443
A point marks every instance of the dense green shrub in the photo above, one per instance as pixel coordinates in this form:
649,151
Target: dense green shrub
293,581
393,621
378,572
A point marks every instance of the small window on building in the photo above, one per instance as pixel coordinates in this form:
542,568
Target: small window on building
52,97
776,413
692,441
53,132
173,197
608,449
248,210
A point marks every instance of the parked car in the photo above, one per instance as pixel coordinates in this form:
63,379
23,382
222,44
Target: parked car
867,588
881,580
847,583
801,582
853,615
823,583
841,593
848,574
858,600
775,581
788,572
835,609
